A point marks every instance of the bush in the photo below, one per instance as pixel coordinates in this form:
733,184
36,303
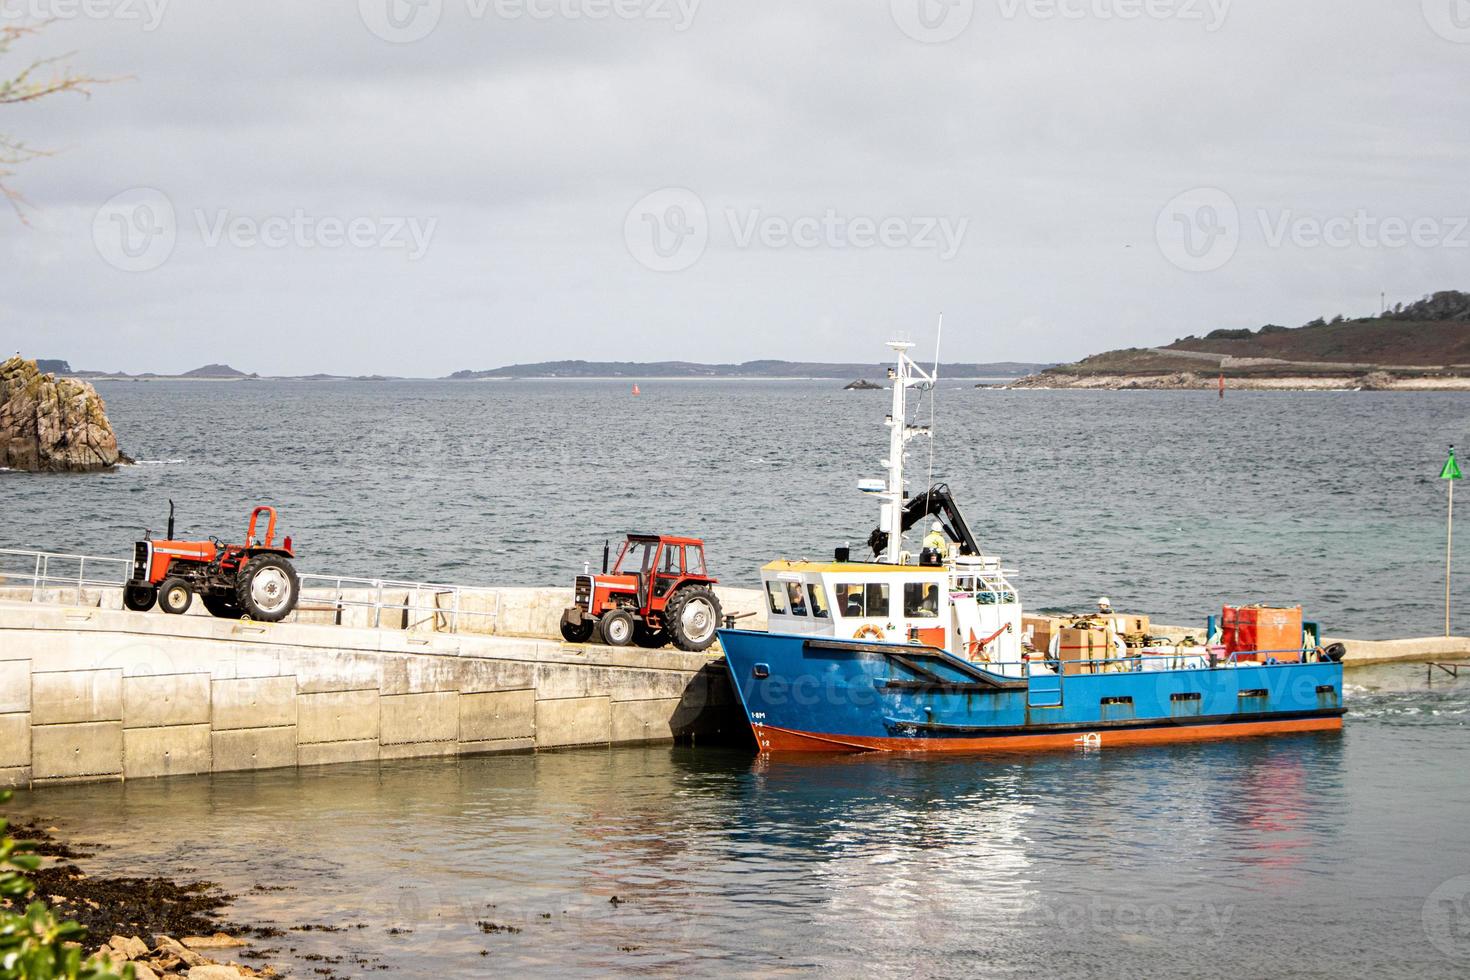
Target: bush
1228,335
1273,328
33,945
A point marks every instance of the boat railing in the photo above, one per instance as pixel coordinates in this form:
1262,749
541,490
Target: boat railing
1134,663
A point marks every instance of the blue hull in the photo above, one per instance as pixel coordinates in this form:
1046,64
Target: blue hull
806,693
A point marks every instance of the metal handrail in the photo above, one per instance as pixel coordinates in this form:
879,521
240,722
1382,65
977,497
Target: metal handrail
422,603
41,577
340,584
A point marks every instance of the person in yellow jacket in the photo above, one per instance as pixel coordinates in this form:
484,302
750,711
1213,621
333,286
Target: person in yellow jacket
936,540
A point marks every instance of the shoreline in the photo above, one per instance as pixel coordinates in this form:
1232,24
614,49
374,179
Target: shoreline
641,379
163,926
1199,382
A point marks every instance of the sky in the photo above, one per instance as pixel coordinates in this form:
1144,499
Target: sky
415,187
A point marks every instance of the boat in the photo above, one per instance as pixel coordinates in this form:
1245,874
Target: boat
930,651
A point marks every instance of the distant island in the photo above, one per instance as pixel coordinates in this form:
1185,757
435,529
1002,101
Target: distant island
1422,346
748,369
209,372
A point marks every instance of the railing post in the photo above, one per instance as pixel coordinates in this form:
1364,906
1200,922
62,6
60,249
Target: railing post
454,617
81,577
378,606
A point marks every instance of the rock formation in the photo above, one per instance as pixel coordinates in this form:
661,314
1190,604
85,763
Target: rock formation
52,425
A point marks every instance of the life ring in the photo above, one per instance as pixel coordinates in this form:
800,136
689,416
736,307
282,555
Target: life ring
868,632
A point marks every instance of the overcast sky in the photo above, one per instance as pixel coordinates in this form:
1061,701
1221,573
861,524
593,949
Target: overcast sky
419,186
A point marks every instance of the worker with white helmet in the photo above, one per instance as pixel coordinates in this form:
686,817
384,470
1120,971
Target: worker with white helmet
936,541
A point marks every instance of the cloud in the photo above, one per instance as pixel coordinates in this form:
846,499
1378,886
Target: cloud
1057,138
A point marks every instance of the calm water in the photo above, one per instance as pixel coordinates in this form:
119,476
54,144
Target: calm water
1168,502
1322,856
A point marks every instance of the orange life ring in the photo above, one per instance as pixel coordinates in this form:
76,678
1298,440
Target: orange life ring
868,632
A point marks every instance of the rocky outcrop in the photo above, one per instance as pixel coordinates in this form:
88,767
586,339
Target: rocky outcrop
173,958
52,425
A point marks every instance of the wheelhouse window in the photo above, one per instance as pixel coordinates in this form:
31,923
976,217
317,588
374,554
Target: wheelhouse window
921,600
819,601
776,598
797,599
863,601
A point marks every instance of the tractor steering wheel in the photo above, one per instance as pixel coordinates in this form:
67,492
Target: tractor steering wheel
218,544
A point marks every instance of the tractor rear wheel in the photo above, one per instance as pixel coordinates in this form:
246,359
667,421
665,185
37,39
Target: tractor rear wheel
692,616
139,598
175,596
617,628
649,638
222,606
576,632
267,588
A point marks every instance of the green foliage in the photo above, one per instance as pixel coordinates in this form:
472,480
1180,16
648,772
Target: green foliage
33,944
1448,305
1228,335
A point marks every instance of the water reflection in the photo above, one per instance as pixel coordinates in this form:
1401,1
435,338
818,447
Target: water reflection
1235,851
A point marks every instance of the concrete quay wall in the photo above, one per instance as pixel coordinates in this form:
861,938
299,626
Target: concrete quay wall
93,694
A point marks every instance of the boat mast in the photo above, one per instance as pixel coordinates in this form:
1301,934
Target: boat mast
905,375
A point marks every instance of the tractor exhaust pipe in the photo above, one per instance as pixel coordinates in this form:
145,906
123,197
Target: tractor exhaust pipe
606,555
170,520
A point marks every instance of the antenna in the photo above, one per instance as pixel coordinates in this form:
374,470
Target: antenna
933,391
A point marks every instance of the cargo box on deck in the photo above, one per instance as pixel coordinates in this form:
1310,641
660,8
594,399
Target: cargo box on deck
1042,628
1133,625
1081,644
1263,632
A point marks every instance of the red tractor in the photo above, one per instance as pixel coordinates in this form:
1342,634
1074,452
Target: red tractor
255,579
658,590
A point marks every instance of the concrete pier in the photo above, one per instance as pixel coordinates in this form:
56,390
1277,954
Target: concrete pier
89,693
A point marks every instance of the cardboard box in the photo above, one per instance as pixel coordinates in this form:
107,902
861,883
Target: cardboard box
1133,625
1081,644
1042,629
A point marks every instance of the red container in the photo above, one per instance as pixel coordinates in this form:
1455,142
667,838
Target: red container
1259,632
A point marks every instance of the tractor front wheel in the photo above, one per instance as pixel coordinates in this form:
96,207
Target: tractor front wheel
267,588
175,596
617,628
579,632
139,598
692,616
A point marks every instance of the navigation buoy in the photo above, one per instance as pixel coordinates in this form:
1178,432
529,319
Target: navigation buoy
636,392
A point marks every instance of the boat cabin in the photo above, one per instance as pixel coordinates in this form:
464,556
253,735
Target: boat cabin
966,607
